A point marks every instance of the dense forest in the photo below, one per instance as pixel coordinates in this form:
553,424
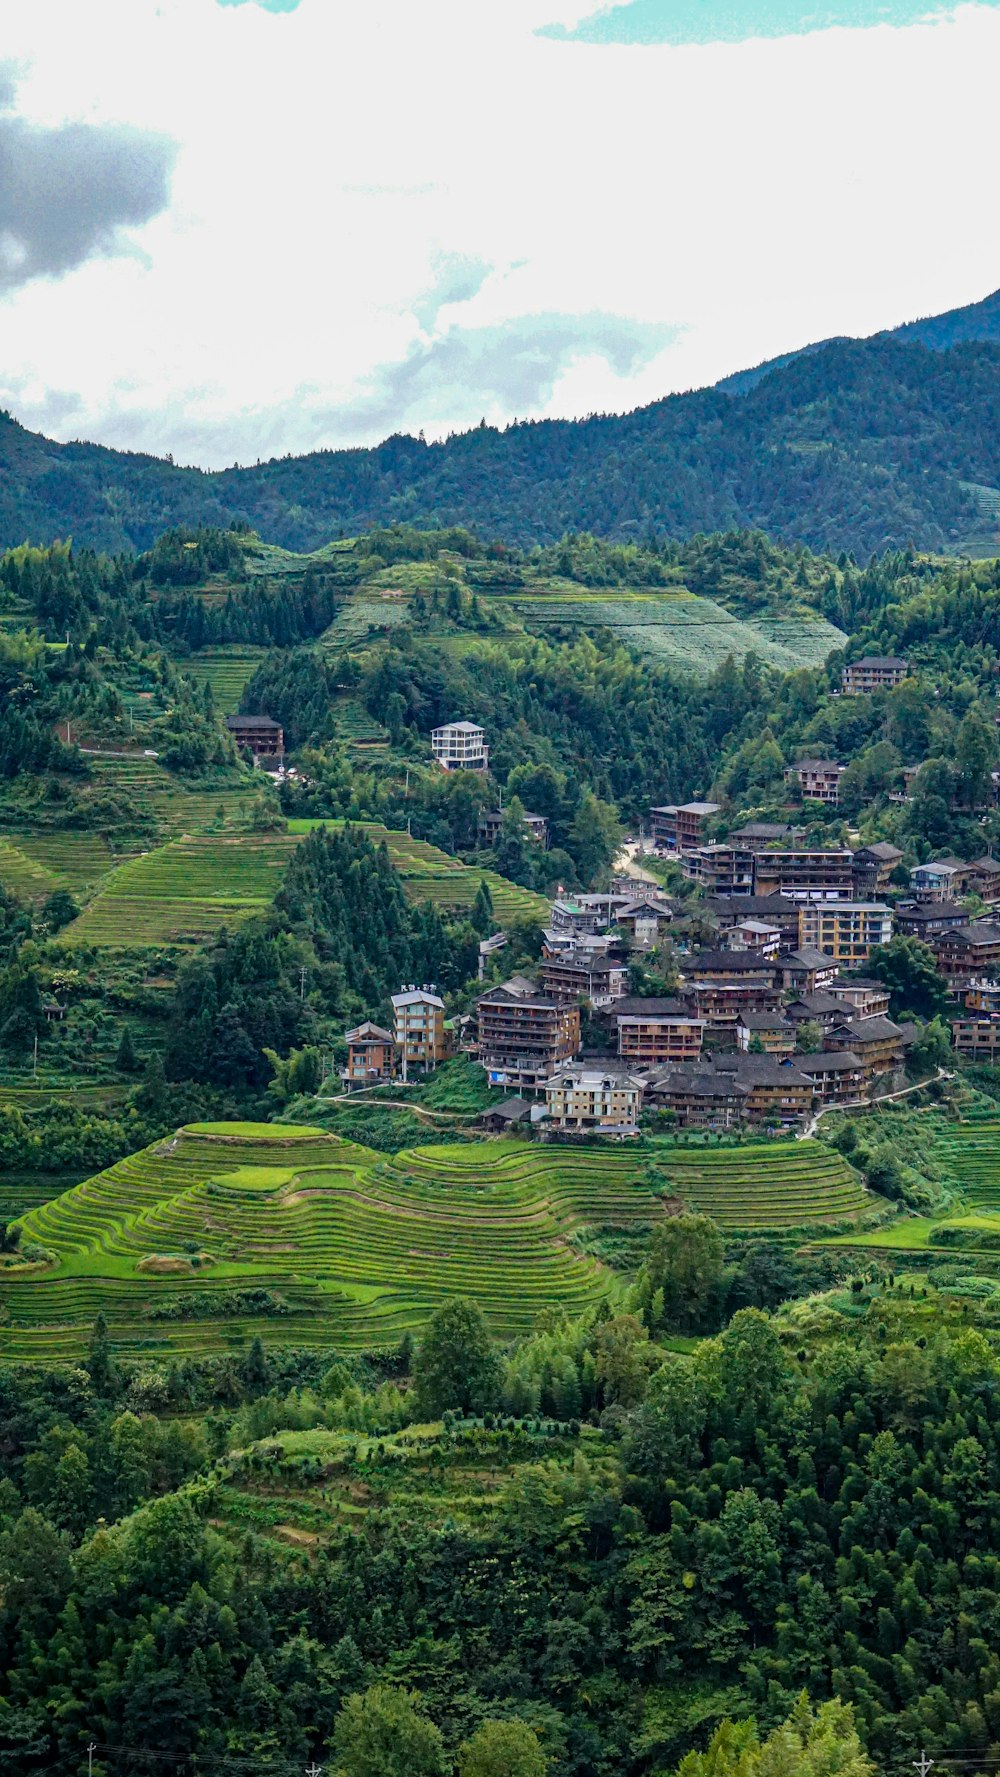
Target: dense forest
861,445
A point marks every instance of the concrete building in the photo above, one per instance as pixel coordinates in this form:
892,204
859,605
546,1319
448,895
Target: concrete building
587,1097
837,1078
418,1027
258,735
679,827
875,672
460,746
720,869
807,970
847,931
372,1056
943,879
756,934
525,1034
984,879
818,779
860,997
644,920
758,835
729,911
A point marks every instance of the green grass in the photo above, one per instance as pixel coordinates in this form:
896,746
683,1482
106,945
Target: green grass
184,891
364,1247
23,876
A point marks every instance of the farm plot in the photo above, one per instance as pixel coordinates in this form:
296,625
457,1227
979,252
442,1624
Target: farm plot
177,808
75,861
971,1151
681,629
184,891
773,1188
432,875
228,670
351,1249
24,876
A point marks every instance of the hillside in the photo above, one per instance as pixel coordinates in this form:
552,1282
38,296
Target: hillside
960,326
859,445
356,1249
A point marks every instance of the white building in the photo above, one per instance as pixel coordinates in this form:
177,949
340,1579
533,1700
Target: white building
593,1098
460,746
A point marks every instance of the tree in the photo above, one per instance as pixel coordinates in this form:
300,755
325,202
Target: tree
152,1094
59,910
594,836
456,1367
481,917
683,1276
820,1743
126,1060
621,1347
100,1361
255,1371
975,756
909,970
810,1037
502,1749
381,1732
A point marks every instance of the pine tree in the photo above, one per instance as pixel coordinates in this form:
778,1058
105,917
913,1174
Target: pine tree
126,1061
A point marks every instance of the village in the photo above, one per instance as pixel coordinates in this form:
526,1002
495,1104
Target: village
771,1016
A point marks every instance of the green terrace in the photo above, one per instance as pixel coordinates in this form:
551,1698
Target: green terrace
355,1249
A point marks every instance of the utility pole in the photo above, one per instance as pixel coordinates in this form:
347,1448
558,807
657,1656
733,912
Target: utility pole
406,792
91,1749
302,982
314,1770
34,1070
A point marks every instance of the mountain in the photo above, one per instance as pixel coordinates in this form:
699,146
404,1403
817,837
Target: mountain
858,445
976,321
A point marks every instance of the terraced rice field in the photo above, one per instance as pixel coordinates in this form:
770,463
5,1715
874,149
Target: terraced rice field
683,630
359,1247
971,1150
177,808
228,671
23,876
773,1187
432,875
184,891
75,861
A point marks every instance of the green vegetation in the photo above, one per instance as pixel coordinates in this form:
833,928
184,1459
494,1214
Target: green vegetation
362,1248
860,445
183,892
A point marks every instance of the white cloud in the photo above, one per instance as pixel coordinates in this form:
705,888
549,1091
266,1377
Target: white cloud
366,197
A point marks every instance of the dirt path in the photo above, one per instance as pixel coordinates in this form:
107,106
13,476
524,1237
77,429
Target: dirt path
400,1104
871,1105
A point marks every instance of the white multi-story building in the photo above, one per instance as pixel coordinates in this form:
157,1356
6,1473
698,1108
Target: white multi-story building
581,1098
460,746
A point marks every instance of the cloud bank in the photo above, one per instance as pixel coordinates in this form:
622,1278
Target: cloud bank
66,193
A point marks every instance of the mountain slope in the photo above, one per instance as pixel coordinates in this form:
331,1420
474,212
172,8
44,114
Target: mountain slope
977,321
860,445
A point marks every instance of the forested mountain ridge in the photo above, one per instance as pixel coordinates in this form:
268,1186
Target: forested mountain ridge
959,326
862,445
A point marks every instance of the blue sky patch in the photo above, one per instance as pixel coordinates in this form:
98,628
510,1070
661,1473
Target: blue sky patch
268,5
733,21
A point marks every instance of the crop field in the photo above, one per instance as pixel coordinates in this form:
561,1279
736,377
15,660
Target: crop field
74,861
774,1187
355,1248
24,876
971,1151
228,670
680,629
432,875
184,891
177,808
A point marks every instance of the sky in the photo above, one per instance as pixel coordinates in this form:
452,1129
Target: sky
236,229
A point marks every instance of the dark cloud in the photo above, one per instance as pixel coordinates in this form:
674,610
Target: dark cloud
67,192
515,366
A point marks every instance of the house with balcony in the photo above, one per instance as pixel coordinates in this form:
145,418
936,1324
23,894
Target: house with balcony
872,869
372,1057
847,931
524,1034
651,1032
418,1028
586,1098
460,746
679,827
874,672
818,780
